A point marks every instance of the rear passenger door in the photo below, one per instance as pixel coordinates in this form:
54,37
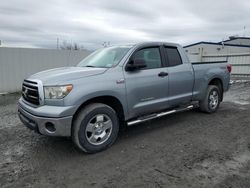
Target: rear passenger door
180,75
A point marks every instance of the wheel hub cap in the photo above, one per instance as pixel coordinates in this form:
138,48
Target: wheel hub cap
98,129
213,99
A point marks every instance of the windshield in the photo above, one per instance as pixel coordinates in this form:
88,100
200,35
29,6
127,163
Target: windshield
106,57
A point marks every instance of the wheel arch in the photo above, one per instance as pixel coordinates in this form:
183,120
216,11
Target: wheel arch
109,100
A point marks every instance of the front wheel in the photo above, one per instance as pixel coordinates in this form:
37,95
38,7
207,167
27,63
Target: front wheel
212,100
95,128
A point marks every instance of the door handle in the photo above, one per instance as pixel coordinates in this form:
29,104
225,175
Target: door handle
163,74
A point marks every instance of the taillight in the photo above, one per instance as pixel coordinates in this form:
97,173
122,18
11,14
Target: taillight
229,68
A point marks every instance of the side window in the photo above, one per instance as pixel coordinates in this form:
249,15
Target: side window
173,56
151,56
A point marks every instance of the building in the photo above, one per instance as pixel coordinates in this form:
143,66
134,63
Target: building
244,41
234,45
235,50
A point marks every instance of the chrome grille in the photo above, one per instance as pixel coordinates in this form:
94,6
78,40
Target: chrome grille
30,91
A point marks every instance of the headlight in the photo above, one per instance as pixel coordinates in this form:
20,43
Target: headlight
57,92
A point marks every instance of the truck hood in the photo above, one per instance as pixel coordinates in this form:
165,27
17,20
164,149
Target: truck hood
61,75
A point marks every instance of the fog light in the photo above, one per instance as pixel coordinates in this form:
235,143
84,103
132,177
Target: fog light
50,127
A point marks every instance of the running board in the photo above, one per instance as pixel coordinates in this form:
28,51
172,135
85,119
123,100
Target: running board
154,116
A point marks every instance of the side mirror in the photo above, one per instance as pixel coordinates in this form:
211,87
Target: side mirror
136,64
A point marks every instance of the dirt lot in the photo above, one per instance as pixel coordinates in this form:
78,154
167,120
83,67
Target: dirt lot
189,149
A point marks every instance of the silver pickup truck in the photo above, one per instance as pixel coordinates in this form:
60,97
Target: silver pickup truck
116,86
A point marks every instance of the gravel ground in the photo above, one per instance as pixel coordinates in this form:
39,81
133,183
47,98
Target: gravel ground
189,149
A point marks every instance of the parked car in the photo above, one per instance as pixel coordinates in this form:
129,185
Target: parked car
119,85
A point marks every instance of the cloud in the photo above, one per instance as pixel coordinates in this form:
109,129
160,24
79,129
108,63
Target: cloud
30,23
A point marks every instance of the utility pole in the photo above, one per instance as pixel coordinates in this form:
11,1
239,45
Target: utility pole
57,43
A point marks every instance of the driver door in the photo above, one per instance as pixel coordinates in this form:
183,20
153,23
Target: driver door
147,88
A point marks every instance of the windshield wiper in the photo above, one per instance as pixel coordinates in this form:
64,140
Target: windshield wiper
90,66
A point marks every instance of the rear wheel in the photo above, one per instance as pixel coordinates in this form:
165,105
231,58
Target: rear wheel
212,100
96,128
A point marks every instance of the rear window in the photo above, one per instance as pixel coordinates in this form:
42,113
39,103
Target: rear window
173,56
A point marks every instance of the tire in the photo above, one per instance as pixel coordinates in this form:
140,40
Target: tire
95,128
212,100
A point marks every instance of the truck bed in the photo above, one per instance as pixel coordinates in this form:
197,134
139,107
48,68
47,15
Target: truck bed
204,72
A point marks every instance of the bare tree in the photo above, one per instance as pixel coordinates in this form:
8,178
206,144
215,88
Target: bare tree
69,46
106,44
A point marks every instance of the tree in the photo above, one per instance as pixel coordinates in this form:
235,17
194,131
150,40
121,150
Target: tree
69,46
106,44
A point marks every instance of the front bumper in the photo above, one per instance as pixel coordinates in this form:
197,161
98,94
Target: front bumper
51,126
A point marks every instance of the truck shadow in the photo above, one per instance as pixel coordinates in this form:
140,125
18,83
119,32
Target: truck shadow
157,124
169,124
62,144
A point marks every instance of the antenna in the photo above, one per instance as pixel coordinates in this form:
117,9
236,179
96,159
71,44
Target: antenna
244,31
